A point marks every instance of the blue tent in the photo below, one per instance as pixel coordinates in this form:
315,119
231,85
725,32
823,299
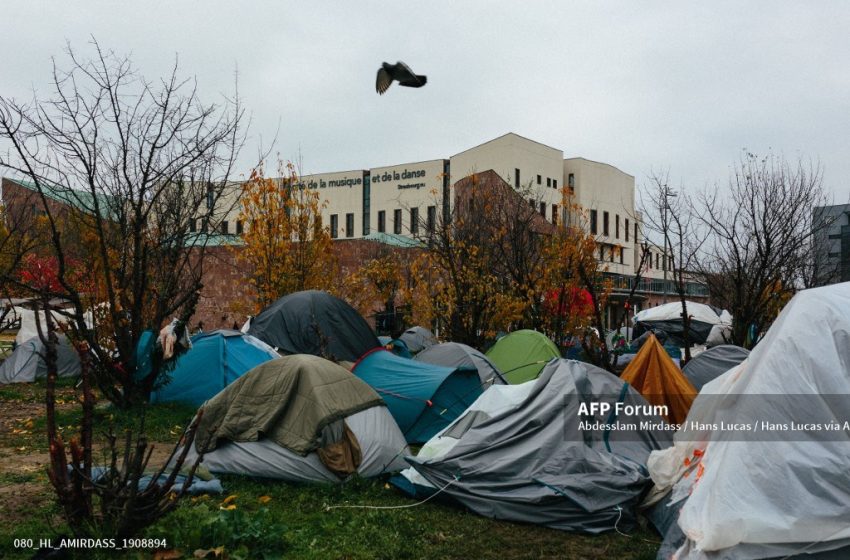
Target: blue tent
423,398
216,359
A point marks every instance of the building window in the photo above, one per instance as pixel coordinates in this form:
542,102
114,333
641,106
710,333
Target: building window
203,225
555,214
670,261
554,183
238,227
414,221
593,222
548,181
516,178
571,182
617,226
627,229
397,221
192,225
539,180
636,232
621,255
611,255
532,203
605,224
224,227
601,252
382,221
543,209
210,197
657,261
432,219
349,225
334,226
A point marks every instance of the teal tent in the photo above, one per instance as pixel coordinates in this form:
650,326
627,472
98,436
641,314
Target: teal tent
216,359
521,355
423,398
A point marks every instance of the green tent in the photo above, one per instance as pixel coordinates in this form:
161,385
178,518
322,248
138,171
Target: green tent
521,355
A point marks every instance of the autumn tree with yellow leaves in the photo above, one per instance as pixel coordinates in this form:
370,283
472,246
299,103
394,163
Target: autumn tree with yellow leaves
286,246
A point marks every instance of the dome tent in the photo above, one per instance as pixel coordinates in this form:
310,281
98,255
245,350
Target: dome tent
299,418
418,339
423,398
519,453
215,360
457,355
712,363
26,363
521,355
314,322
668,317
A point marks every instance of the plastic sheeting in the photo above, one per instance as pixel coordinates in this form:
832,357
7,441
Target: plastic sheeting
668,317
785,496
382,446
519,454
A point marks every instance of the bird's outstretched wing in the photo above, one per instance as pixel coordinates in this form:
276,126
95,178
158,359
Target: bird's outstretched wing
383,81
406,77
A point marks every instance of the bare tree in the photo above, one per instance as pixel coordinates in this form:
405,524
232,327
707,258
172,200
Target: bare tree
131,176
755,257
669,213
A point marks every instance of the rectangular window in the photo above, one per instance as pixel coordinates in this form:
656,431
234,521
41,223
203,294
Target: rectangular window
554,183
548,181
349,225
397,221
432,219
555,214
203,225
382,221
571,182
414,221
516,178
334,226
601,252
539,179
670,266
210,197
543,209
611,255
627,229
224,227
657,261
593,222
192,226
532,203
617,226
239,227
621,255
636,232
605,224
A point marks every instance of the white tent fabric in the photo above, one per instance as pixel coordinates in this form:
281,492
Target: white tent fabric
28,327
760,498
382,447
673,312
721,333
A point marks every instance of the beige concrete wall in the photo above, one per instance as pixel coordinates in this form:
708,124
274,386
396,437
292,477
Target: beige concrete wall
341,193
404,187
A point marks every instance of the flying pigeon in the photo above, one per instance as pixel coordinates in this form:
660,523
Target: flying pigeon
400,72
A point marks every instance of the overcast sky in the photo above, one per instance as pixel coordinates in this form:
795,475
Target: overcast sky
683,86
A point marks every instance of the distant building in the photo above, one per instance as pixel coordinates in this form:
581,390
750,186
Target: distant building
831,247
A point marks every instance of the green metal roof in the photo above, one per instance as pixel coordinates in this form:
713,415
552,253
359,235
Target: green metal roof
394,240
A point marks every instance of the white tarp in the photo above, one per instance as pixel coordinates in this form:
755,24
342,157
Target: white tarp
770,496
673,312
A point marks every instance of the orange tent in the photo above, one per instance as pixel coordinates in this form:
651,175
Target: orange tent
660,381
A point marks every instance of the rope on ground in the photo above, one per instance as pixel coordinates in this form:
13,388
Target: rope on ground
452,481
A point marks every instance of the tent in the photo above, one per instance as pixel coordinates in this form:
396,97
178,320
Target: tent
457,355
668,317
299,418
314,322
521,355
216,359
423,398
653,373
418,339
771,493
26,363
28,328
713,362
722,332
520,453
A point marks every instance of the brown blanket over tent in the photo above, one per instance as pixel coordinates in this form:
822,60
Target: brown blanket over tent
288,400
660,381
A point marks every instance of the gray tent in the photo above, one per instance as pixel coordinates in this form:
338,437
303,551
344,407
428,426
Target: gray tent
26,363
519,453
418,339
712,363
461,356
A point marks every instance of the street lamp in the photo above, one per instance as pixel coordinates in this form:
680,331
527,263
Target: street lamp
667,193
